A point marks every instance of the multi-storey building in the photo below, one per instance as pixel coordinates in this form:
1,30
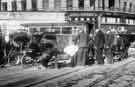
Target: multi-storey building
67,16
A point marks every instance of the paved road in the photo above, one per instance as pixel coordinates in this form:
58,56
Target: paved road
117,75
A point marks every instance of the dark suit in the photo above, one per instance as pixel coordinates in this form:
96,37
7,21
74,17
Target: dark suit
99,44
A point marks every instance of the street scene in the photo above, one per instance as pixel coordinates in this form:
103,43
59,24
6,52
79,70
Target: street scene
67,43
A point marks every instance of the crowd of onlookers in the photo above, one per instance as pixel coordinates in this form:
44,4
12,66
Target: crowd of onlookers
96,47
100,47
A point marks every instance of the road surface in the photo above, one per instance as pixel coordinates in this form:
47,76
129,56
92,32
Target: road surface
120,74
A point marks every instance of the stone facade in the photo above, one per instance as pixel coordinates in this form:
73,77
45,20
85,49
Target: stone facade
99,4
121,12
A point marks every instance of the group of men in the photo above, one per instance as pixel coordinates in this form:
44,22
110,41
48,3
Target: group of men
98,46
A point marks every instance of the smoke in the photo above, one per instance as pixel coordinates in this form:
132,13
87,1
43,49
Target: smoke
71,50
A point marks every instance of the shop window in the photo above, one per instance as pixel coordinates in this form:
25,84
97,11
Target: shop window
56,30
117,20
23,3
103,19
4,5
67,30
81,4
69,4
111,3
34,5
14,5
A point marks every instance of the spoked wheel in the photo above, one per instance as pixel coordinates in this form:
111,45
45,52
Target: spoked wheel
27,60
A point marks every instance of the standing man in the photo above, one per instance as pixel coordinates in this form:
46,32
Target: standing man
99,46
109,38
82,41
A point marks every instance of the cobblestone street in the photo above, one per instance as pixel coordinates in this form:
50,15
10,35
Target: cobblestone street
119,75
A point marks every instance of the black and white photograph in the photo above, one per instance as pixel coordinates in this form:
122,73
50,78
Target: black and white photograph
67,43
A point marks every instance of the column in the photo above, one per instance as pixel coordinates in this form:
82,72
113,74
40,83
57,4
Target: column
75,4
19,5
9,5
87,4
63,4
40,4
51,4
107,4
29,4
117,4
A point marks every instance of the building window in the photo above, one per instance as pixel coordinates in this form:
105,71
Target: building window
57,4
45,4
111,3
125,6
23,3
103,4
69,4
34,5
130,7
14,6
92,3
81,4
4,6
0,5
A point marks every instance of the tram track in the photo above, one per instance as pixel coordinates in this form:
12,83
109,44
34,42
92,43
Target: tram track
36,82
29,82
106,75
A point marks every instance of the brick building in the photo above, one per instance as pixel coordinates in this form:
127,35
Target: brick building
67,17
